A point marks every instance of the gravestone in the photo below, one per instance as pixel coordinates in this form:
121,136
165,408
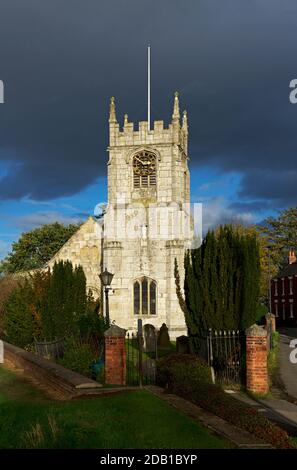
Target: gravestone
163,337
183,345
149,338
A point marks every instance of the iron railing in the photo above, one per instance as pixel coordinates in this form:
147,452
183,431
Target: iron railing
49,349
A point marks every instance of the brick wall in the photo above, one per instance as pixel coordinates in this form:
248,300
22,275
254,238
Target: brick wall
282,296
115,356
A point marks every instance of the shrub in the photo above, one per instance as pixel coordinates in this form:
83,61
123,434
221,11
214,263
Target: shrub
262,310
187,378
19,324
7,285
92,324
52,305
182,368
275,339
273,361
66,301
78,356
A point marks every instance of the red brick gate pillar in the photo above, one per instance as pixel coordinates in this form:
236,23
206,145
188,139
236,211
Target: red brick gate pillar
115,356
256,360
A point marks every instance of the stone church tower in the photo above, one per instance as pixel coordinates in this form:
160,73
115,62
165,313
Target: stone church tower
147,223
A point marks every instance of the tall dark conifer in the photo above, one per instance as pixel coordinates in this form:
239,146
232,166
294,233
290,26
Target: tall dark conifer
222,278
66,301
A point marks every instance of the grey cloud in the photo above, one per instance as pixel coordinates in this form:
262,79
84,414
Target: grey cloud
30,221
231,60
217,211
278,186
252,206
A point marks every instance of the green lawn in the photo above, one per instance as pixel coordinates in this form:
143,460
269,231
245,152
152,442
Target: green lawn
127,420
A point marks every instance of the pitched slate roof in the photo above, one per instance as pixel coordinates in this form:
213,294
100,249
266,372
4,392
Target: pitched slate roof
289,270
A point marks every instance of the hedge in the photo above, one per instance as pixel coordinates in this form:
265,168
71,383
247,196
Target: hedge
189,377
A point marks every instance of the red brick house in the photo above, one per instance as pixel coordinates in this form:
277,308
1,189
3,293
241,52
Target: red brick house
284,293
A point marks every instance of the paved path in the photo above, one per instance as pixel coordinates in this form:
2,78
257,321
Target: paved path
288,371
278,411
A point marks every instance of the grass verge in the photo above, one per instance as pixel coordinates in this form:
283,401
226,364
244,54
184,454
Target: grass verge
28,419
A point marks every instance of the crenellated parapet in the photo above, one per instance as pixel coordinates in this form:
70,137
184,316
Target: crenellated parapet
129,134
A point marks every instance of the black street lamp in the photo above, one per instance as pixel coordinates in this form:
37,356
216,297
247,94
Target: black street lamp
106,279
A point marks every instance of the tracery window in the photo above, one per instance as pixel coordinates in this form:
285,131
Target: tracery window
145,296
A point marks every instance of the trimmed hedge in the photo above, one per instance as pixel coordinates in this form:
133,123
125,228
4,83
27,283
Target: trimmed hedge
189,377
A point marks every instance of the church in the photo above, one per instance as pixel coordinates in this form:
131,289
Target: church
146,225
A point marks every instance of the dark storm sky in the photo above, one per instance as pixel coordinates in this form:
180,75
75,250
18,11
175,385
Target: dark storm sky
232,62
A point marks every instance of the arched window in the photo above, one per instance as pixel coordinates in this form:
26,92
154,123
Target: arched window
153,298
144,170
145,297
136,298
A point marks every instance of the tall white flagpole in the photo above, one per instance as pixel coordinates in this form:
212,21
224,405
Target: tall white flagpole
149,87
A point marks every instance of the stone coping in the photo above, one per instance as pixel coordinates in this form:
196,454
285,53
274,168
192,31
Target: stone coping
255,330
54,375
115,331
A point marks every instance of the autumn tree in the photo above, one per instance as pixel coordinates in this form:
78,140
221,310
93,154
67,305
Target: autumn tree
268,264
281,235
36,247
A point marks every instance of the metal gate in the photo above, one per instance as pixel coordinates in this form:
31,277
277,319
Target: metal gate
140,361
224,350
